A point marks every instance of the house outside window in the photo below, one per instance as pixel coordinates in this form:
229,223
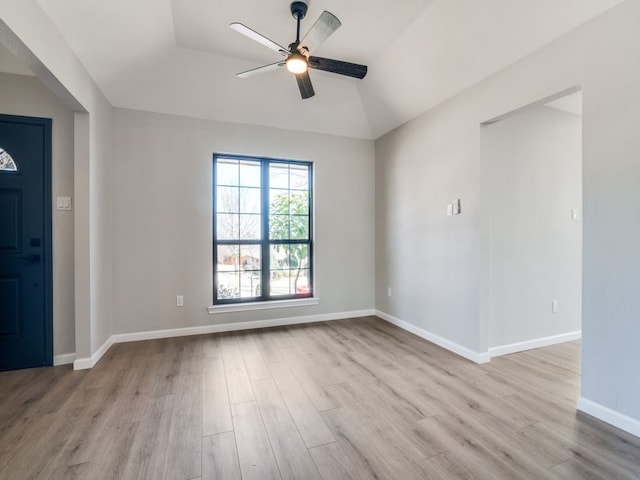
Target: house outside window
262,229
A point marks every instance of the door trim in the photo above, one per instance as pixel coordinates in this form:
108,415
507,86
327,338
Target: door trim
47,205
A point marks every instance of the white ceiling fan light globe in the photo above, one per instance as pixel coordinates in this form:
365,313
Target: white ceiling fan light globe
297,63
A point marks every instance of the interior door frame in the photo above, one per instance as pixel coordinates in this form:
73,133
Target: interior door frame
47,220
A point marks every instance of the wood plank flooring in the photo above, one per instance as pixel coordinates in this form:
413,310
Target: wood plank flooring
351,399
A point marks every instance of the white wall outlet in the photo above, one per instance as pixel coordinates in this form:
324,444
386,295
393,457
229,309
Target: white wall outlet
180,301
450,210
554,306
575,214
388,291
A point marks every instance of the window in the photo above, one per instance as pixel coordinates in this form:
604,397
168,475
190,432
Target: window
262,235
7,164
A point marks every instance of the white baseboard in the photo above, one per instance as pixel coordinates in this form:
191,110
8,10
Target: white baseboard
235,326
63,359
535,343
433,338
617,419
84,363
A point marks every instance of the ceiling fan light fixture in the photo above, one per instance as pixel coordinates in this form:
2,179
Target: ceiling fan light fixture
297,63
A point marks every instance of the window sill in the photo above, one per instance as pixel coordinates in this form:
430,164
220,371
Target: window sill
243,307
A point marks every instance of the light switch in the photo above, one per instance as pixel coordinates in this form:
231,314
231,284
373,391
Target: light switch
450,209
64,203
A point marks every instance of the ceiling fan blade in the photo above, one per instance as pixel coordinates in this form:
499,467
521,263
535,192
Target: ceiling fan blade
325,25
263,69
304,84
253,35
336,66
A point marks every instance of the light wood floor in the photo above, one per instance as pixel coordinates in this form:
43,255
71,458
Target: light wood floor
352,399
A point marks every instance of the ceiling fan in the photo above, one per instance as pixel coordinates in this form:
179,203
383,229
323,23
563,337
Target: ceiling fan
298,56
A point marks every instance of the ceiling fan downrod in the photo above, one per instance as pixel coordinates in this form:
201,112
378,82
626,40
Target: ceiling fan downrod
298,11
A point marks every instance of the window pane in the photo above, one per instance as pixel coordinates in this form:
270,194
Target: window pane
228,257
299,256
238,268
279,227
228,260
299,227
228,226
279,201
227,172
290,282
279,175
299,177
279,218
299,203
249,284
228,285
250,174
250,257
290,274
280,283
279,257
227,200
249,200
7,163
282,204
250,262
299,282
250,227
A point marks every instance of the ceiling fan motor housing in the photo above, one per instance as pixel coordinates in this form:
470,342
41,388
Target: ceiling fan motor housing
298,10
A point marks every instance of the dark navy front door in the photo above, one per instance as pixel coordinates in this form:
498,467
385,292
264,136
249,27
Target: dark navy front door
25,242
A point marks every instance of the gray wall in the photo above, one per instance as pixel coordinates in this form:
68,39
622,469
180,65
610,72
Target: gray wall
162,224
101,199
611,197
29,35
534,169
428,259
25,95
438,265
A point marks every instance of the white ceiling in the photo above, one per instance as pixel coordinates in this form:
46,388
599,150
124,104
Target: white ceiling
367,27
180,57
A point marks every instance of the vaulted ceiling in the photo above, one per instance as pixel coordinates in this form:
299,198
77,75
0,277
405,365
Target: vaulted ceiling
180,56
